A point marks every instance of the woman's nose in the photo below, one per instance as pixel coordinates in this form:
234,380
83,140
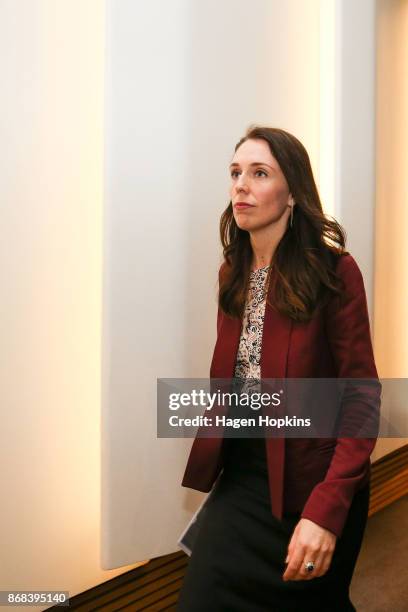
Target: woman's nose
241,184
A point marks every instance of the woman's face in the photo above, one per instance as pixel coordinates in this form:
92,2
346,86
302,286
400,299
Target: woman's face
259,191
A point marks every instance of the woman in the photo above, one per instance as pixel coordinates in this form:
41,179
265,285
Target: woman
284,524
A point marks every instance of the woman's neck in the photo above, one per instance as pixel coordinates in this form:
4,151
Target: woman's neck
264,243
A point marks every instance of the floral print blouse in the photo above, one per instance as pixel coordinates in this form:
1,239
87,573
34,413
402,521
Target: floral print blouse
248,363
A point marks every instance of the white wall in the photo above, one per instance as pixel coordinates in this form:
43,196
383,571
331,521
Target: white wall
184,80
51,125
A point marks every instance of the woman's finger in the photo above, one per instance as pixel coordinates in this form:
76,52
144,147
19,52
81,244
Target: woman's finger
292,545
295,561
322,564
319,564
303,573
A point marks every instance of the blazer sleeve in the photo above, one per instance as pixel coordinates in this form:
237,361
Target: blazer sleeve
348,333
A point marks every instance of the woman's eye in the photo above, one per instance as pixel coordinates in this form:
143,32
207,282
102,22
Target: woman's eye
235,173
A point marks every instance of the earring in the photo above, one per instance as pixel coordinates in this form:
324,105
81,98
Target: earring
291,216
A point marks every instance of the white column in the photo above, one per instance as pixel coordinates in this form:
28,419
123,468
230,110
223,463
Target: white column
51,159
347,130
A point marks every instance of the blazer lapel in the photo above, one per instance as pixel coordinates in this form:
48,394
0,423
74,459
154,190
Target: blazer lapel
226,348
205,460
277,331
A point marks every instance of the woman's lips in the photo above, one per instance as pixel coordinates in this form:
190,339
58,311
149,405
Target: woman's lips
242,205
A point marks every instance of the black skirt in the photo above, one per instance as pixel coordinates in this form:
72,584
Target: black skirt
238,556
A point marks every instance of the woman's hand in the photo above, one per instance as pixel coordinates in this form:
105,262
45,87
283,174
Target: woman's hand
309,542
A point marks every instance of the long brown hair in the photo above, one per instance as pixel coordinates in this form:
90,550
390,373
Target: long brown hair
304,259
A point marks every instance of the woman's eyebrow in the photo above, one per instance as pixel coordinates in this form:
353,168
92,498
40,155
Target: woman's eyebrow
253,164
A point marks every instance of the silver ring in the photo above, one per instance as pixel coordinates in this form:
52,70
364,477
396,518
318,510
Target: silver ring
310,566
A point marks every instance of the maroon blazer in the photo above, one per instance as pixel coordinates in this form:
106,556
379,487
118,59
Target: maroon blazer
315,476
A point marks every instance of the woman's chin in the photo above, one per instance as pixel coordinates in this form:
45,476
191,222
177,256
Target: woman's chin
245,223
249,226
